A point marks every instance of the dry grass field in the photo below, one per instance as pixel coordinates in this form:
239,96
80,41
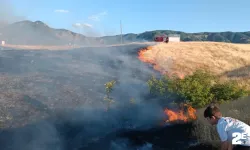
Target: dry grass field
225,59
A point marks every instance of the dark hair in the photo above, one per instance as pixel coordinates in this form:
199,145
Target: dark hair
211,110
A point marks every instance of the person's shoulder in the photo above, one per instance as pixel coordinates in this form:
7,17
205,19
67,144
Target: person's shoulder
222,122
229,119
223,119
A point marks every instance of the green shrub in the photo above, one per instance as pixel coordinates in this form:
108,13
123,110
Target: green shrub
228,90
109,87
198,89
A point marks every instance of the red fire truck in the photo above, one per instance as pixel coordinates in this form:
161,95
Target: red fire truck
161,38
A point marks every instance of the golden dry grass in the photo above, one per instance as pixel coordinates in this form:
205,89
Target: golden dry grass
186,57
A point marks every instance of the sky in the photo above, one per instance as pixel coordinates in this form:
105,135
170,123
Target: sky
102,17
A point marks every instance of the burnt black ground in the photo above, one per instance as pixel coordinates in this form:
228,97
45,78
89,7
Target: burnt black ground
69,134
69,79
53,100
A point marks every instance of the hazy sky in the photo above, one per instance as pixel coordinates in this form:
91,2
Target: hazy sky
137,16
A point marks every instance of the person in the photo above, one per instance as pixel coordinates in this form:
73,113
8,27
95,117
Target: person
227,127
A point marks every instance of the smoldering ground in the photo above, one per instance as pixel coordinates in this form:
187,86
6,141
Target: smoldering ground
54,99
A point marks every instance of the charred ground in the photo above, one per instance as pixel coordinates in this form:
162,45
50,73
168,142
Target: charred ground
54,100
60,79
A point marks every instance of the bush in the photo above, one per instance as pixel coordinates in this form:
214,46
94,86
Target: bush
228,91
109,87
198,89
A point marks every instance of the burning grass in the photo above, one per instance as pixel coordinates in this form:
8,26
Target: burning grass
56,88
205,134
184,58
184,115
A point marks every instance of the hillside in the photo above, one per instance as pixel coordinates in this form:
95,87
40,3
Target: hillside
38,33
226,59
231,37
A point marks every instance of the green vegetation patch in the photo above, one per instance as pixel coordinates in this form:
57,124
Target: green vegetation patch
198,89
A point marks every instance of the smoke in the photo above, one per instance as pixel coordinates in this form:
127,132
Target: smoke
8,14
56,98
123,144
68,88
60,94
88,30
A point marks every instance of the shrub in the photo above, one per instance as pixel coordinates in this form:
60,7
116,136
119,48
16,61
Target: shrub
198,89
109,87
228,90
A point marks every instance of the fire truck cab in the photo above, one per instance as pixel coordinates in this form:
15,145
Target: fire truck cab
161,38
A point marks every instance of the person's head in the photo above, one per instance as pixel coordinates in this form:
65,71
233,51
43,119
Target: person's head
212,114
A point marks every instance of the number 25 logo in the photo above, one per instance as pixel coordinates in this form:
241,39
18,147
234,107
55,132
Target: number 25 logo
237,137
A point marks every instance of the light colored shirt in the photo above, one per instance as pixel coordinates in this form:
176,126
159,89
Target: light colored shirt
228,126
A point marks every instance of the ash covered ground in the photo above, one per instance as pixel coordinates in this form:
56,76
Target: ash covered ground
53,100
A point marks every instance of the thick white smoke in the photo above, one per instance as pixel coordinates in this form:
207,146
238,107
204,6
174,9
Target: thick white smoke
74,81
49,81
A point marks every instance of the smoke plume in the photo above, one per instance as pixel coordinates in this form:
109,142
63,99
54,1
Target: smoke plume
55,99
8,14
65,89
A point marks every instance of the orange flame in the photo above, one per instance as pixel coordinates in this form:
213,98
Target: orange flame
146,58
143,56
190,114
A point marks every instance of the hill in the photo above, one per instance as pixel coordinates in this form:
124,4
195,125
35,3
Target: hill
224,59
38,33
231,37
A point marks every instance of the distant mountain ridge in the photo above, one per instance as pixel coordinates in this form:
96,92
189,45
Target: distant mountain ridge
38,33
231,37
